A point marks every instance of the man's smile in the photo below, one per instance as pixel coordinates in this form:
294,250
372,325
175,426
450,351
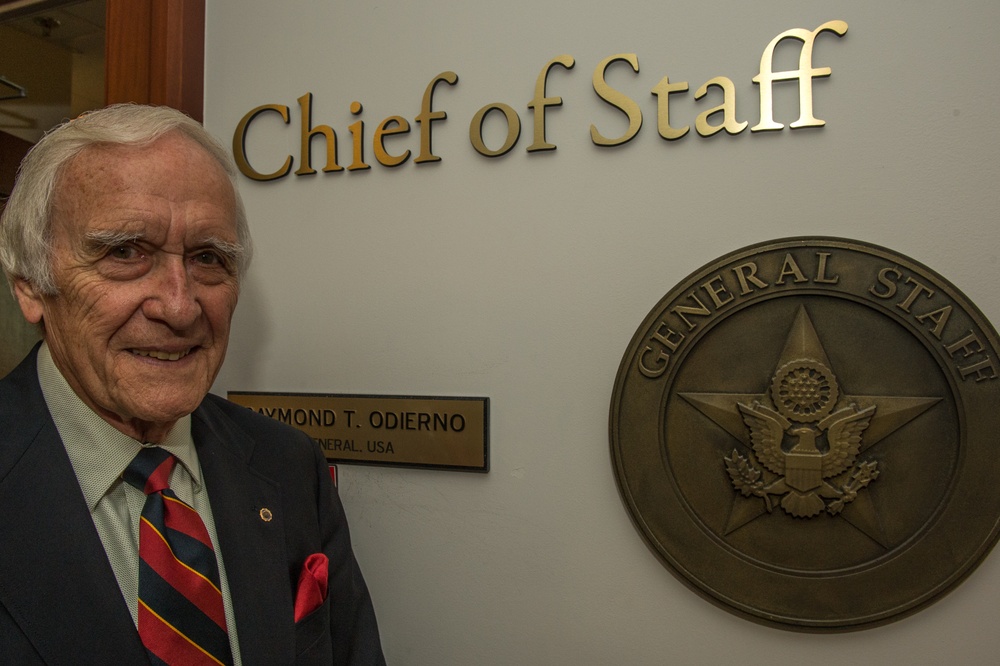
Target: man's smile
162,355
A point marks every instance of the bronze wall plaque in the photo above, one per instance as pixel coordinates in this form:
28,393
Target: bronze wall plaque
805,430
440,433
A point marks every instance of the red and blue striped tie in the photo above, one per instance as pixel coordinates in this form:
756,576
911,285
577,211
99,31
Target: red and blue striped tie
181,616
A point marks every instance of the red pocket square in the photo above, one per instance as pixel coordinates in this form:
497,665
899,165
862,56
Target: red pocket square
312,585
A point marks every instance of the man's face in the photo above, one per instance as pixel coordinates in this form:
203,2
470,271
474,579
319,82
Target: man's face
146,284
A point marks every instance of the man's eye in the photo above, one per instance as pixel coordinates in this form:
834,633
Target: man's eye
123,252
208,258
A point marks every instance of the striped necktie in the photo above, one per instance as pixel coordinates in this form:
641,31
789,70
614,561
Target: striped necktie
181,617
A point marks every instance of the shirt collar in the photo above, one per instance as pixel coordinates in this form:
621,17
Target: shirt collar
97,450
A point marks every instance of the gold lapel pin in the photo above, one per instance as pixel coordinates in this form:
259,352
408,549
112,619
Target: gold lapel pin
266,515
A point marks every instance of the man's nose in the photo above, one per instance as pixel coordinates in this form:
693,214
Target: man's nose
173,298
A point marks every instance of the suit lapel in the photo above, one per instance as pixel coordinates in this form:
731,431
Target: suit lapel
55,579
251,539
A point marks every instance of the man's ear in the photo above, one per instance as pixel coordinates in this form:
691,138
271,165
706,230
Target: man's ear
29,299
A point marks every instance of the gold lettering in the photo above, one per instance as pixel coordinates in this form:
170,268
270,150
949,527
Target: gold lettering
804,75
790,268
890,287
389,126
727,109
663,91
240,148
746,273
985,369
540,101
905,304
714,291
357,130
616,99
426,117
821,270
307,132
670,338
659,363
681,310
968,345
667,337
939,317
476,129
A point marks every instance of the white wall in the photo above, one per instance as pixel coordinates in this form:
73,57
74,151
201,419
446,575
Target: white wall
523,278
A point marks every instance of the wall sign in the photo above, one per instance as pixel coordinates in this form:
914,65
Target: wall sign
394,129
442,433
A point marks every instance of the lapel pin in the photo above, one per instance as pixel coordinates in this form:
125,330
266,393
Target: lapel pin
266,515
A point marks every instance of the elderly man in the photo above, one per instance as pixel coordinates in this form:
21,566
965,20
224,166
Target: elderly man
141,517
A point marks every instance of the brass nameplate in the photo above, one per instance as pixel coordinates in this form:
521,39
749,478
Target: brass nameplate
443,433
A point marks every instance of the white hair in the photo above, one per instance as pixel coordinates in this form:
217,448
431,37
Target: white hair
25,227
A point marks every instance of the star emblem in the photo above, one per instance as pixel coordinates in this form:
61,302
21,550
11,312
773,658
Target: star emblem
800,444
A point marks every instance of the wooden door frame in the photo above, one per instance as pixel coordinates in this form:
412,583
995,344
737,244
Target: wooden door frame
155,53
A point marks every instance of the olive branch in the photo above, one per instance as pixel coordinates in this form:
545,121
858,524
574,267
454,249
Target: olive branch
864,474
746,478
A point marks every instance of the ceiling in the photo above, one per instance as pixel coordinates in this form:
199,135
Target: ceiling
76,25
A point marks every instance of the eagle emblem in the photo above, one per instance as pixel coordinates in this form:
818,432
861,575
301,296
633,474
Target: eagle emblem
804,441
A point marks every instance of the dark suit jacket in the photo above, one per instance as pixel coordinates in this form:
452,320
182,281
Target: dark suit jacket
59,599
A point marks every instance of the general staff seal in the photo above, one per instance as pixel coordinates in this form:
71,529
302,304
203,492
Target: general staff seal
805,431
